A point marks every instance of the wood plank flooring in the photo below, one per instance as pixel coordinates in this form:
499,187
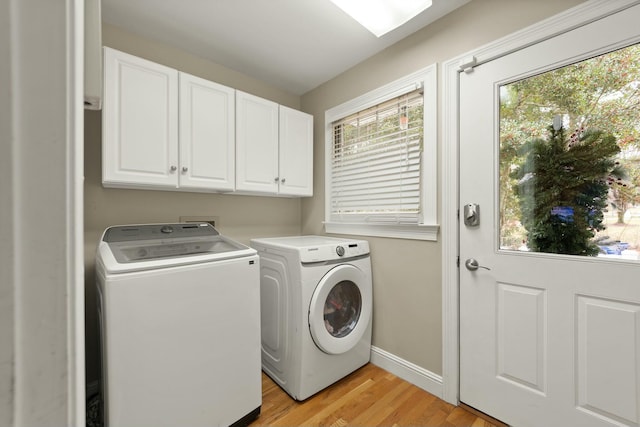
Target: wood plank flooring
370,396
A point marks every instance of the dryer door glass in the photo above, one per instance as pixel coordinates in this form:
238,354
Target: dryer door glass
342,309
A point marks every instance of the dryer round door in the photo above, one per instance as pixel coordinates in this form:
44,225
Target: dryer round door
340,309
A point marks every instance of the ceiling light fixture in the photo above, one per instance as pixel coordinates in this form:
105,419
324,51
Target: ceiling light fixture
382,16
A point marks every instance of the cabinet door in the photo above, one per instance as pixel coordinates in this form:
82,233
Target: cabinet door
296,152
256,144
207,135
140,122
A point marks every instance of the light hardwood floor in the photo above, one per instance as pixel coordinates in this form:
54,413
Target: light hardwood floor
370,396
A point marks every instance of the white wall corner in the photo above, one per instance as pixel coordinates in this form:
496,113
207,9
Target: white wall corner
44,187
449,222
7,216
410,372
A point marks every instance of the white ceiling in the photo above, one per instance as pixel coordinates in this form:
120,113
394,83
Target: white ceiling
295,45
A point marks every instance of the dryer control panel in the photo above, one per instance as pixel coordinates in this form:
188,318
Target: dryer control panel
329,252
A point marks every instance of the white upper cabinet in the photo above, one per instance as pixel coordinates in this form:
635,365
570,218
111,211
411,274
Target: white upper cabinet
256,144
93,54
274,148
165,129
207,134
140,122
296,153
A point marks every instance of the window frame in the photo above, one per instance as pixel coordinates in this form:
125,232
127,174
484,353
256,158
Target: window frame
427,226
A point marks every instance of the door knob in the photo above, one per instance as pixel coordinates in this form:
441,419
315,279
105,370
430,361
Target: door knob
473,264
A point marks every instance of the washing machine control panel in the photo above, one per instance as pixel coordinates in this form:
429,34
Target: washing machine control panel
330,252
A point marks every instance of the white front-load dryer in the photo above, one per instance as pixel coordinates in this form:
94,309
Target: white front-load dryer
316,310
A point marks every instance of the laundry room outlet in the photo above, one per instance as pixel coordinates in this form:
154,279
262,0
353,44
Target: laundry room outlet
213,220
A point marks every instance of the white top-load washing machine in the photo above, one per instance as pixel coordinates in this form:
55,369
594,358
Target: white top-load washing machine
316,304
179,308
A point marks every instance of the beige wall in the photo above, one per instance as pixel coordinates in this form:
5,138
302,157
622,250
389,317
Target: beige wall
407,274
240,217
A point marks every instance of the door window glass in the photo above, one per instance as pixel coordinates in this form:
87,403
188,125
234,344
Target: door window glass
342,309
570,159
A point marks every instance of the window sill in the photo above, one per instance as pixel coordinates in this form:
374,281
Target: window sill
398,231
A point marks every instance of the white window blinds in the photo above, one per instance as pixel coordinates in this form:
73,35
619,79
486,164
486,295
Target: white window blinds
375,165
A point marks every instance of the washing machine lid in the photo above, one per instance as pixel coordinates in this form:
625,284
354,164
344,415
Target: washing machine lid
148,246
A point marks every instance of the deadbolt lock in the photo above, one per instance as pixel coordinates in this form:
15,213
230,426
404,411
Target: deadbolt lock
471,215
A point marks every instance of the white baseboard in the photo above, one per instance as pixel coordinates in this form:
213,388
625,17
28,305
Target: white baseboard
408,371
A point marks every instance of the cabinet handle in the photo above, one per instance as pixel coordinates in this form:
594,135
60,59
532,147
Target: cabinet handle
282,180
276,179
173,168
184,169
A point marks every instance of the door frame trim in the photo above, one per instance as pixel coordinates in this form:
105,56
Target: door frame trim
566,21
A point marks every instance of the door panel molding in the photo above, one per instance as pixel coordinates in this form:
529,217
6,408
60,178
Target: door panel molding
515,302
563,22
606,361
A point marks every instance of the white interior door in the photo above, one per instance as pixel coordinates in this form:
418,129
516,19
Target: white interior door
545,338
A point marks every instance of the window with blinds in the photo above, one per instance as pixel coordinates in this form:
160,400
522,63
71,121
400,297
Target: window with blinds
375,162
